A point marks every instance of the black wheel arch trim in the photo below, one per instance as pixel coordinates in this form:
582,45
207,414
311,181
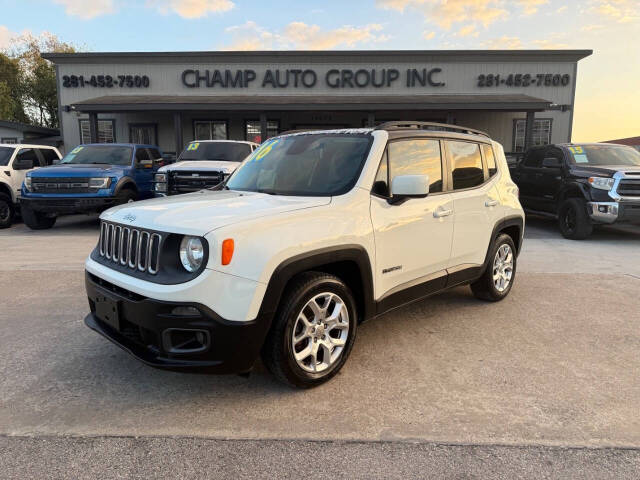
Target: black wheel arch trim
574,185
125,182
307,261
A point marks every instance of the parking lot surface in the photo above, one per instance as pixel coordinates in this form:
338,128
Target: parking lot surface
550,370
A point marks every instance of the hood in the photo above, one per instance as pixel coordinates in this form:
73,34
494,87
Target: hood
201,166
603,170
77,170
200,212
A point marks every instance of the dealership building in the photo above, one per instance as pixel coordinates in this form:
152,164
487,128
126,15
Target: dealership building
520,97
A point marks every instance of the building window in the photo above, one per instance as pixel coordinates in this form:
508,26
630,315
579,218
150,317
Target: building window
11,140
210,130
106,131
143,133
541,133
252,130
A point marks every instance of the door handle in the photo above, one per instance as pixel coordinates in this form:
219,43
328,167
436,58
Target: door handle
442,213
490,203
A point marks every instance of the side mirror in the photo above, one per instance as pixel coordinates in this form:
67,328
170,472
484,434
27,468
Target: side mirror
56,161
551,162
409,186
23,164
145,163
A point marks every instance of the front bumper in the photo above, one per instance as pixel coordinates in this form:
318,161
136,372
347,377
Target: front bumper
155,334
69,205
614,212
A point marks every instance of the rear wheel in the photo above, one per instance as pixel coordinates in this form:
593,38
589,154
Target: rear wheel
497,280
36,220
6,211
313,331
573,219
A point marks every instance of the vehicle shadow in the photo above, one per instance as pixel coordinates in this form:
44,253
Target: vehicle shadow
545,227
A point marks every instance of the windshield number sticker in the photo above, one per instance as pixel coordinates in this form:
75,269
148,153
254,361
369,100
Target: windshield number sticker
575,150
193,146
266,148
76,150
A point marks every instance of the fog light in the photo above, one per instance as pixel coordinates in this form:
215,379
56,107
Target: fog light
186,312
602,209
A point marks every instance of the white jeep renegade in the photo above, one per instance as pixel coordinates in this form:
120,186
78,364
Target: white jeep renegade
314,233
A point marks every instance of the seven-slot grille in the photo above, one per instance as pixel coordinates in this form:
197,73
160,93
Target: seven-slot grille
131,247
182,181
60,185
629,187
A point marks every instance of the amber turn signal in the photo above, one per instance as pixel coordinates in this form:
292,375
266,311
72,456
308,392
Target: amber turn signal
227,251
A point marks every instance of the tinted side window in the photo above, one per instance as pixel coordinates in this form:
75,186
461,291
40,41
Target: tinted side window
154,153
28,154
417,157
142,154
49,155
490,158
533,159
466,164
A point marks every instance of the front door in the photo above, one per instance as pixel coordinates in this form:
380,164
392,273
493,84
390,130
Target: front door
18,175
413,238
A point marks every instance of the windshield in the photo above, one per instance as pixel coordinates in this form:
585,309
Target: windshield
89,154
305,165
602,155
5,155
225,151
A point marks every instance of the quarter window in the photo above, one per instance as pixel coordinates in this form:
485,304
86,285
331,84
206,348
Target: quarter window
416,157
490,159
105,131
466,164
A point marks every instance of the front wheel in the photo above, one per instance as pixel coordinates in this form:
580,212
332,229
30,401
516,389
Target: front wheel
6,211
497,280
36,220
126,196
313,330
573,220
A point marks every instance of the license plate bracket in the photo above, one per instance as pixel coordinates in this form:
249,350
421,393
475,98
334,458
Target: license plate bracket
108,310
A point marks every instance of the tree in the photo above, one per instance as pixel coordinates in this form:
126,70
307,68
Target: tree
37,88
11,90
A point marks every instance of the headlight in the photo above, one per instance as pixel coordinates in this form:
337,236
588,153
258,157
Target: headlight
602,183
27,183
99,182
191,253
160,182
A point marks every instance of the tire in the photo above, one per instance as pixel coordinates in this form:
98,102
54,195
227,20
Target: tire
573,220
7,212
487,287
126,195
279,348
36,220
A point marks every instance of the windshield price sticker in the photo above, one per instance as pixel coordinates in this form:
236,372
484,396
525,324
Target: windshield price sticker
193,146
76,150
580,158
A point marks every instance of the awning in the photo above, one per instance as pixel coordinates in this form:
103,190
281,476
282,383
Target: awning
136,103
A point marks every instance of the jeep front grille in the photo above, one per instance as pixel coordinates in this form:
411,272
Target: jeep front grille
130,247
629,187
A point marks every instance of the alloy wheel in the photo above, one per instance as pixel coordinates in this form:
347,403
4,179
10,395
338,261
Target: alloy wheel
503,268
320,332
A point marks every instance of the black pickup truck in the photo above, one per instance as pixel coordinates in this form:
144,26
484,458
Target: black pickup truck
581,185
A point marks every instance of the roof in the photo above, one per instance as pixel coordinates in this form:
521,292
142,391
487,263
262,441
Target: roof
25,127
26,145
505,102
319,56
144,145
225,141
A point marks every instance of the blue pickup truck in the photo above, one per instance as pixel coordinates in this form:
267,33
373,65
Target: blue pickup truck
90,178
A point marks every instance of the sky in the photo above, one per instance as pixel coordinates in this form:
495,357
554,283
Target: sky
608,90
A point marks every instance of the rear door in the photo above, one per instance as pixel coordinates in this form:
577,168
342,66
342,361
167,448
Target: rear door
413,238
530,179
476,203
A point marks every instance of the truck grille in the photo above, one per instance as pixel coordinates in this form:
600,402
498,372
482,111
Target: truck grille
629,188
130,247
184,182
60,185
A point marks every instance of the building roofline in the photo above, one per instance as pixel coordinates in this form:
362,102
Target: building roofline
312,56
25,127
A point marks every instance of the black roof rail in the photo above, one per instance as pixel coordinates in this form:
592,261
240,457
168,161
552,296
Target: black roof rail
434,126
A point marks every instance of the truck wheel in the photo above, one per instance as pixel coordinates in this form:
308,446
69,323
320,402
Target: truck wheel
313,330
6,211
36,220
497,280
126,196
573,220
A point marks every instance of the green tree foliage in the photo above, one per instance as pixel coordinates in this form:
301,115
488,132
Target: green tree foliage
11,90
34,92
